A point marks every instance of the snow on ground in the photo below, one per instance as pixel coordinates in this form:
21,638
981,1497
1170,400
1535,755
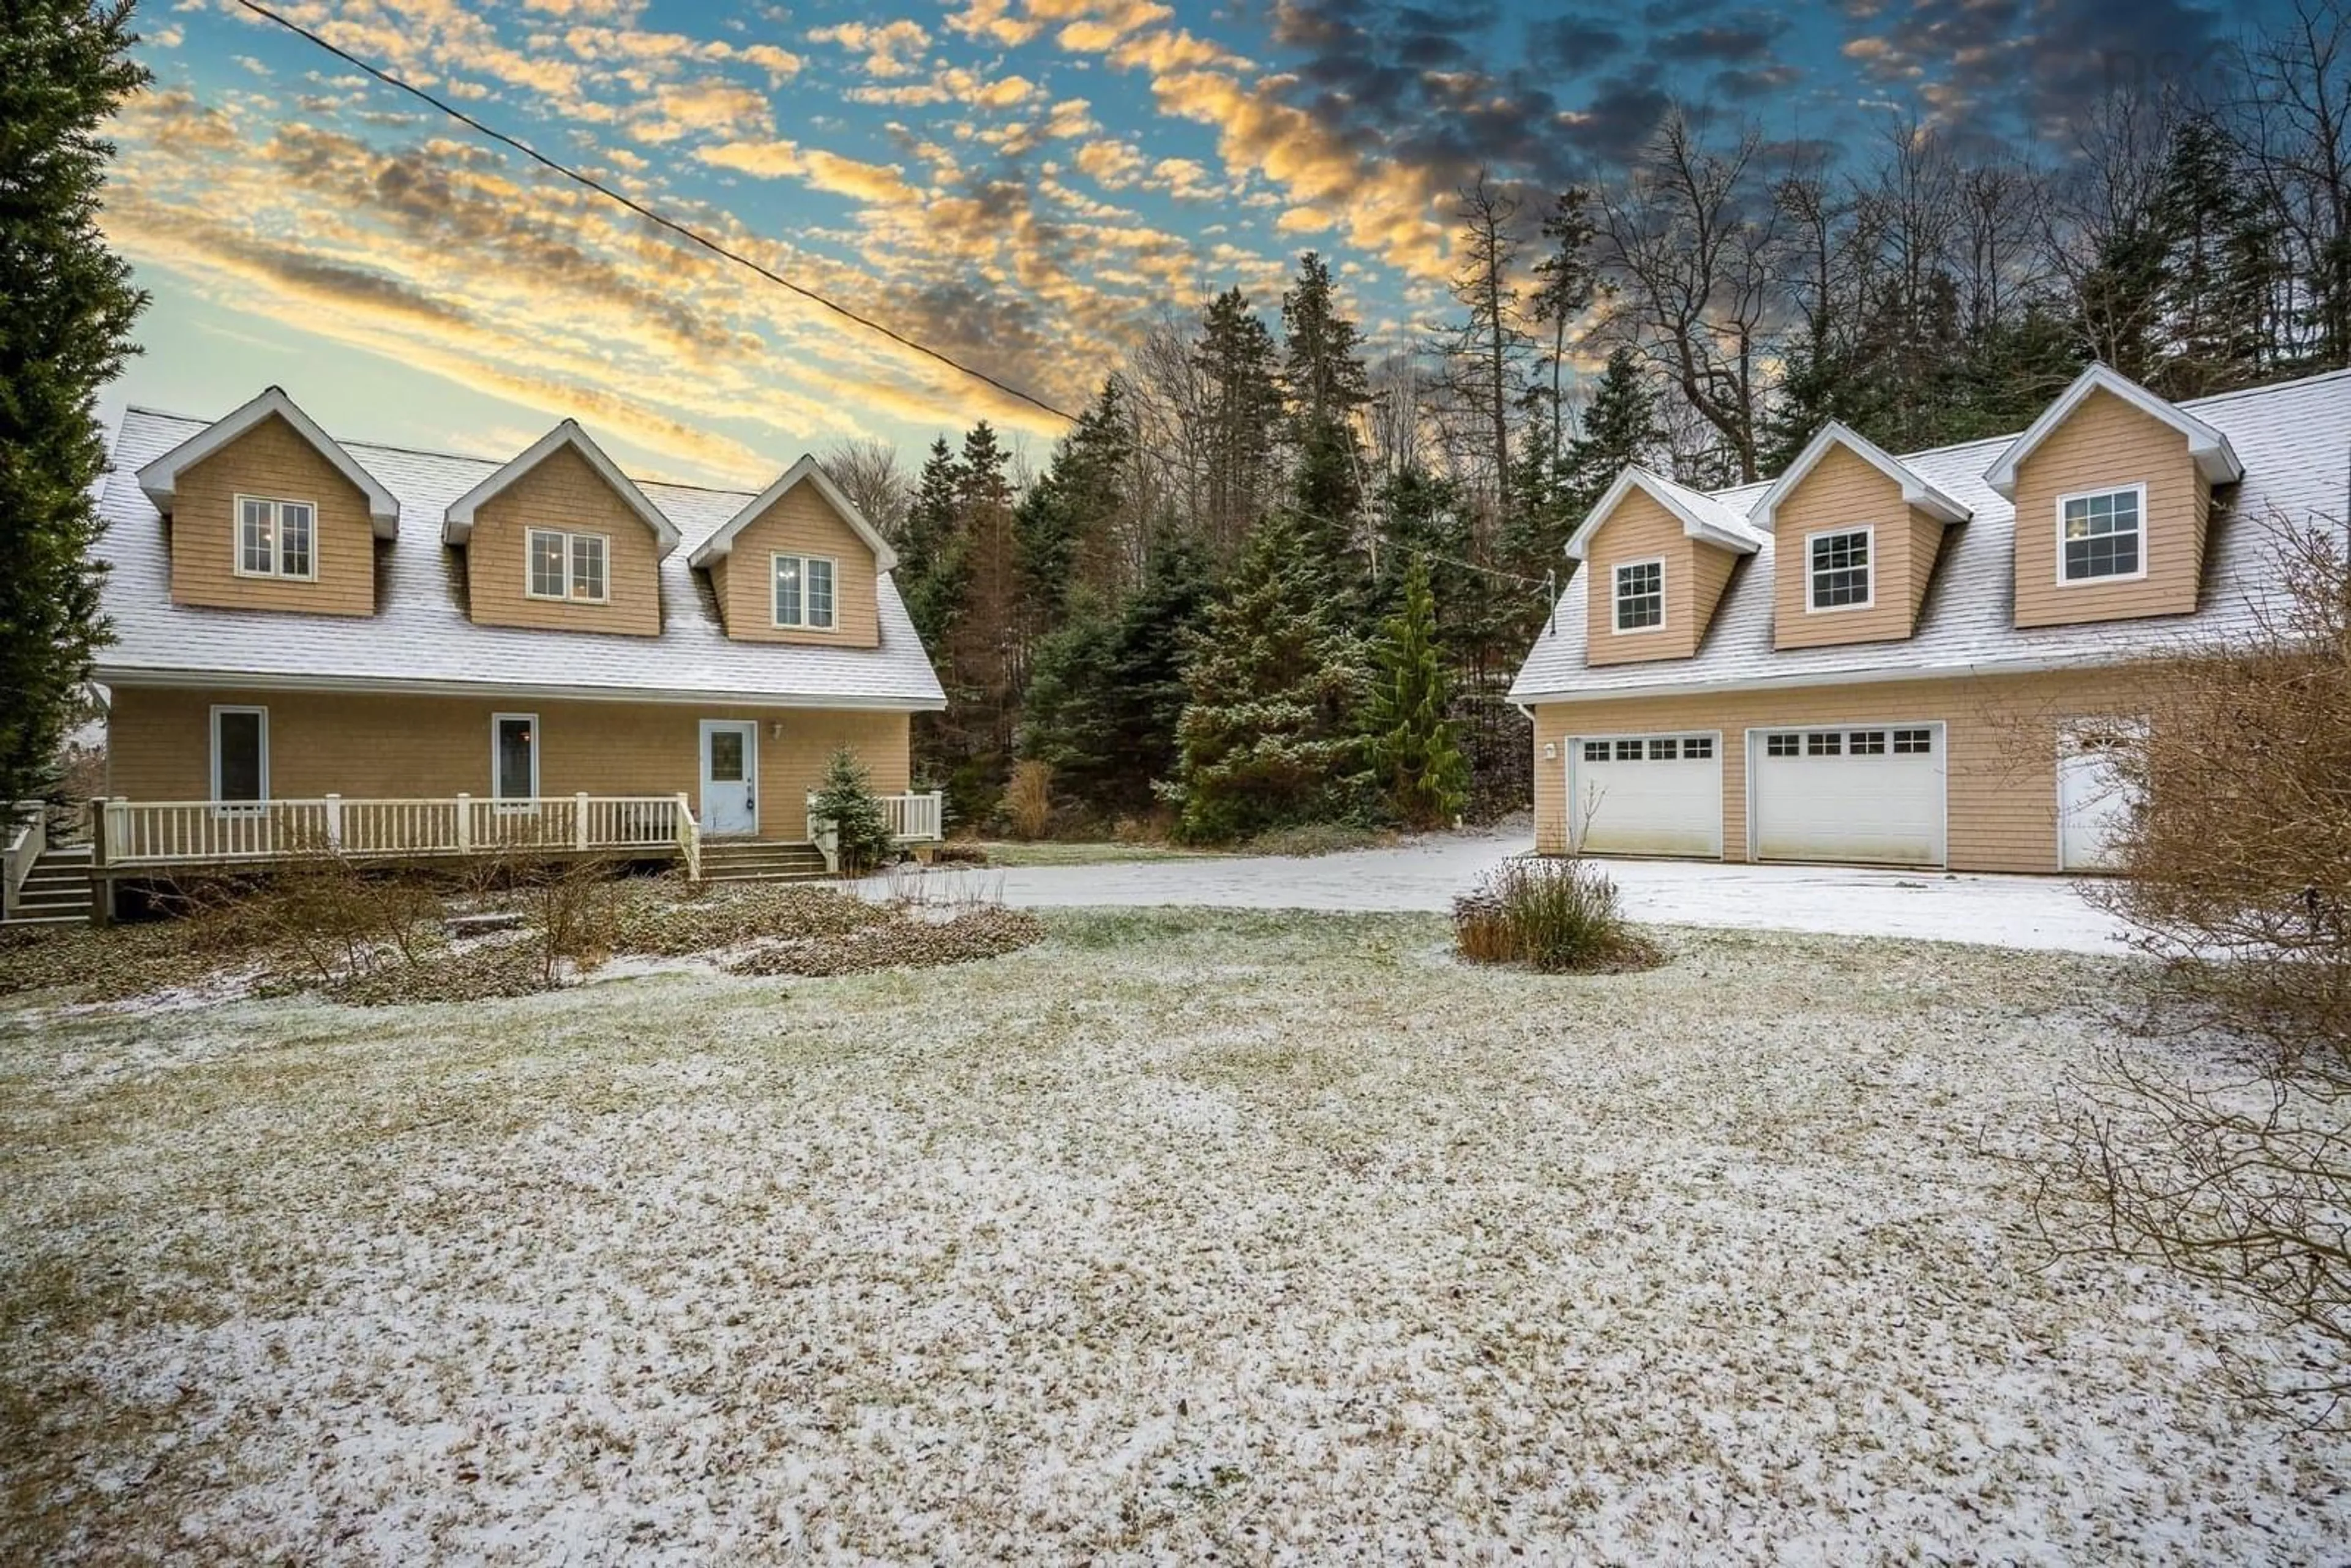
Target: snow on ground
2046,912
1267,1236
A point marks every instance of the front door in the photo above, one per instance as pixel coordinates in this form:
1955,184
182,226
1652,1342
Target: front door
730,774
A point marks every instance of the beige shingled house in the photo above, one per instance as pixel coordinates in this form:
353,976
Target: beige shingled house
1914,661
403,654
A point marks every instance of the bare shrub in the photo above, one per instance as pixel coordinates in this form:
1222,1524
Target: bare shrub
318,914
570,908
1559,916
1029,799
2229,1157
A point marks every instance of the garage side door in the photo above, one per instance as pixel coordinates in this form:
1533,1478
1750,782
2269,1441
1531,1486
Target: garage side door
2092,798
1645,794
1871,795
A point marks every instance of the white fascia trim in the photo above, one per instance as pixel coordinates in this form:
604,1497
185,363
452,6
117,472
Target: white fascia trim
1726,530
2210,449
457,522
160,479
1839,678
1916,491
808,470
235,679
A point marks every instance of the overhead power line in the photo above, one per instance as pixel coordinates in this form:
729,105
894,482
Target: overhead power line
649,215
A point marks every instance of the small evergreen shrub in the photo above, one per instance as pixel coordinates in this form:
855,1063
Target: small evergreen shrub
846,802
1557,916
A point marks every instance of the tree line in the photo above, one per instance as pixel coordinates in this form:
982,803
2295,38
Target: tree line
1204,603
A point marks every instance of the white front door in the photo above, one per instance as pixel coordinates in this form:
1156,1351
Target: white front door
2092,800
1645,795
1871,793
730,776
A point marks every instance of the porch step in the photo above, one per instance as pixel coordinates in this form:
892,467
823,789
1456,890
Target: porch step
752,861
56,891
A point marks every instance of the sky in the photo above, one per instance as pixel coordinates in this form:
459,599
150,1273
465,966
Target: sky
1025,184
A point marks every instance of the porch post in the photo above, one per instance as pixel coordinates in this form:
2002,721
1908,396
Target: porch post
96,810
465,824
580,819
335,823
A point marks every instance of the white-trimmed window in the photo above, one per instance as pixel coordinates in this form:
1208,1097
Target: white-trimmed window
514,757
277,538
1640,595
803,592
240,756
2102,534
1838,569
565,565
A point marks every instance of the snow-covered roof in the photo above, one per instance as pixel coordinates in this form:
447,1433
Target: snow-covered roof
457,522
2210,448
419,639
807,471
1915,491
1701,516
159,478
2294,442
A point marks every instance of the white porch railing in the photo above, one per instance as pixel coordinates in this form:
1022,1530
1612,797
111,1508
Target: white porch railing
912,819
26,831
196,832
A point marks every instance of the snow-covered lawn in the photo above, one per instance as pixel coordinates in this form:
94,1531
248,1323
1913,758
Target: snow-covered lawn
1275,1238
2045,912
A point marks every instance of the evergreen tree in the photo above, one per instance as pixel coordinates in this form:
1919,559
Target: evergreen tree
1620,425
1267,738
930,574
64,331
846,802
1064,525
1240,421
1568,280
1327,387
2217,271
1421,773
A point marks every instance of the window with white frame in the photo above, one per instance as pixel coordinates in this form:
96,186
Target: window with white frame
277,538
1595,751
1824,743
514,756
1783,745
2100,535
1640,595
240,756
804,596
1839,566
565,565
1914,742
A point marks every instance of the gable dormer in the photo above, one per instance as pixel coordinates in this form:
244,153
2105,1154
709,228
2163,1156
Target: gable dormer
268,512
799,563
560,540
1657,556
2113,489
1857,535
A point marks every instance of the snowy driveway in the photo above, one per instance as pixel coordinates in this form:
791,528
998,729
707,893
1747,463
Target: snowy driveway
2002,911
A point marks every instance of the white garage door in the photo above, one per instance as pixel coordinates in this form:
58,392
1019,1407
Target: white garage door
1645,794
2091,798
1872,794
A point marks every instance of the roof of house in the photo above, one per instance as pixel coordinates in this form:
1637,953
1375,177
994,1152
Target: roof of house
1915,491
2294,441
807,471
457,520
420,639
1701,516
160,475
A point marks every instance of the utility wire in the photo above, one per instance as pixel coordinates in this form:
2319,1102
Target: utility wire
682,230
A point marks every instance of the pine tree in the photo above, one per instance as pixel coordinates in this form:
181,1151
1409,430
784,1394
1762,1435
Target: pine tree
1619,426
1267,738
1568,278
930,574
1421,773
1064,525
846,802
1326,386
1240,419
65,311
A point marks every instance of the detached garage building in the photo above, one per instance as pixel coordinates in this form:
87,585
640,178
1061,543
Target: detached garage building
1915,661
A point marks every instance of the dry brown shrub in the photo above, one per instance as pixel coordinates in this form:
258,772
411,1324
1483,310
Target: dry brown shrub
1029,799
1558,916
2227,1155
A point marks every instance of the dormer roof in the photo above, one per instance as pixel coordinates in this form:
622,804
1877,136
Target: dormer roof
457,522
1915,491
807,471
1701,516
160,479
2210,449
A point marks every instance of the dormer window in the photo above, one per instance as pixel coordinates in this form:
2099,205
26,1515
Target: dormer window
1839,575
803,600
2098,534
565,565
1640,595
277,538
